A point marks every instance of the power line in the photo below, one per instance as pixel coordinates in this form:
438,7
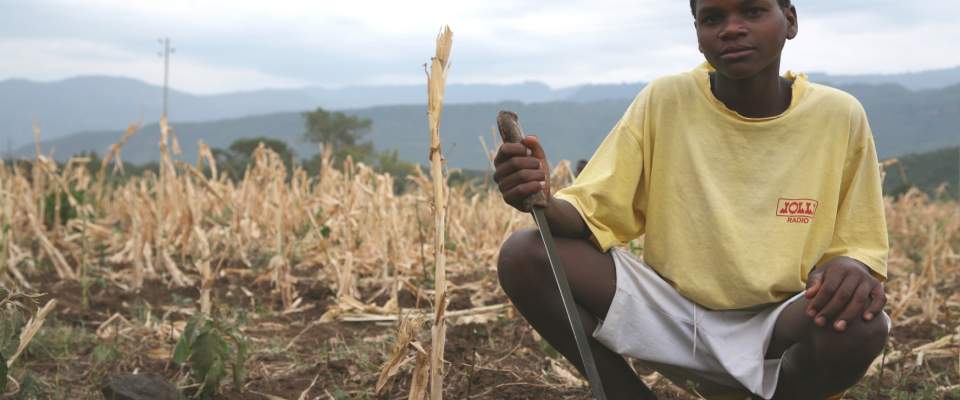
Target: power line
165,53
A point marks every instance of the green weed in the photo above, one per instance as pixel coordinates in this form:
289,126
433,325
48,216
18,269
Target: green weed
206,347
59,341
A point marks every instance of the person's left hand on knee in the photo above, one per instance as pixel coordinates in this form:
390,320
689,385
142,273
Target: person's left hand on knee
842,289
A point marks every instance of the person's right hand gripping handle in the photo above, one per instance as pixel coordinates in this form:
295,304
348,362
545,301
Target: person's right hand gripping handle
521,171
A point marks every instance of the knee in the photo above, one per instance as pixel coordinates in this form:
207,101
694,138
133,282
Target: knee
521,262
866,339
851,352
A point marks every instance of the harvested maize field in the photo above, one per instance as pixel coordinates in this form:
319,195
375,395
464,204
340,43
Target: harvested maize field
285,285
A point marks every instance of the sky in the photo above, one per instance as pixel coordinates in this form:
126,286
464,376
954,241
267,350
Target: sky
236,45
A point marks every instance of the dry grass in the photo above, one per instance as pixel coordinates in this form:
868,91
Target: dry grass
265,245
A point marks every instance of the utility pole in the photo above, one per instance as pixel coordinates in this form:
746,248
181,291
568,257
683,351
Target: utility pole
165,53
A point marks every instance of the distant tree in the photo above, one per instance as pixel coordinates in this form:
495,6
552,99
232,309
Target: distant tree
580,166
235,159
389,161
94,164
335,128
363,153
342,132
245,147
229,163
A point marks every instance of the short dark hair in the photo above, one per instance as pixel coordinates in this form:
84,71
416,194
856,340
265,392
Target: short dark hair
693,5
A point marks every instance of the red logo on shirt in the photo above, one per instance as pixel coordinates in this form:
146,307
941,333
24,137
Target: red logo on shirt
797,211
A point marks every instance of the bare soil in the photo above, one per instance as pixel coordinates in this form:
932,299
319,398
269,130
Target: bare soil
498,359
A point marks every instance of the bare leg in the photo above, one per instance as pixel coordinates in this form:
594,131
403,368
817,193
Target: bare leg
526,278
818,361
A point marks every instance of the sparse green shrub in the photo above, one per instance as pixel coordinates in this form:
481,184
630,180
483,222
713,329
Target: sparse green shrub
14,313
67,212
58,341
206,347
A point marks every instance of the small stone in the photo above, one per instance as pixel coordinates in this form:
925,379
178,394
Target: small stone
147,386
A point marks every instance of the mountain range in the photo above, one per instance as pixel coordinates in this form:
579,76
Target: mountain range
95,103
100,102
919,80
903,121
575,119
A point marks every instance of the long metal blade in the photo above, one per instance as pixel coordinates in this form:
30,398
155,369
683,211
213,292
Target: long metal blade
573,314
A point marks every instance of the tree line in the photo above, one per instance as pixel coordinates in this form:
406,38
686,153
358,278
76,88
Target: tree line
342,133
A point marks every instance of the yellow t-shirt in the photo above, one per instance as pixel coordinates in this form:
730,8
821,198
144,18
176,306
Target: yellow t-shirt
737,211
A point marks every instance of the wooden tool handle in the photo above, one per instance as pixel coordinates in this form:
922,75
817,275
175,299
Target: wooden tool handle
509,126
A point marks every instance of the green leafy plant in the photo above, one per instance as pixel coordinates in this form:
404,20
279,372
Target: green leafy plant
339,394
3,373
59,341
15,309
66,211
206,347
104,353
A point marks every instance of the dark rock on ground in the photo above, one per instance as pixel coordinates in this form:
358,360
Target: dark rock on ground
147,386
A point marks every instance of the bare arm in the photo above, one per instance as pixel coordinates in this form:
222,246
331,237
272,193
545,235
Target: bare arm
565,220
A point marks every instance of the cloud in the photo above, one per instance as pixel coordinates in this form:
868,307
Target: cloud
875,36
232,44
53,59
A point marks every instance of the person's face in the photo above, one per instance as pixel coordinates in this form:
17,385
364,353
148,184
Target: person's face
740,38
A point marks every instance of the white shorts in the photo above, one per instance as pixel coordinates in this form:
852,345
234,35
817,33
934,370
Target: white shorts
722,353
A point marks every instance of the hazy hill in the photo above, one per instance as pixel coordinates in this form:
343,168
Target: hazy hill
368,96
97,102
907,122
100,102
594,92
573,128
926,171
903,122
932,79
